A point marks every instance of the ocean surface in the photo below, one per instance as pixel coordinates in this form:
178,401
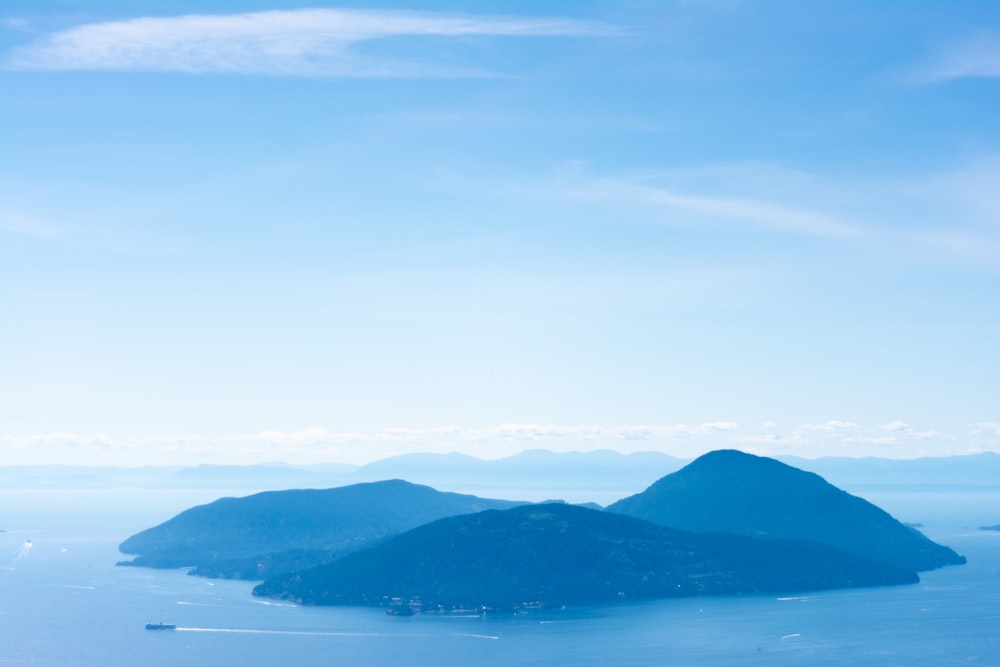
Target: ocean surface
64,602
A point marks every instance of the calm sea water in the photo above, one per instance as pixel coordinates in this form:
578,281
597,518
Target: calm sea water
63,602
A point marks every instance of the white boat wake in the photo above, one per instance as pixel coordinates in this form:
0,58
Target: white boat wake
21,553
324,633
303,633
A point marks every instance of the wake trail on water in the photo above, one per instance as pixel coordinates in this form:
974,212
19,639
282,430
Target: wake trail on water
275,604
324,633
306,633
21,553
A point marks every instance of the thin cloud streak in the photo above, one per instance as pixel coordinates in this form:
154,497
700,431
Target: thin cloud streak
977,57
14,223
949,214
762,214
308,42
767,214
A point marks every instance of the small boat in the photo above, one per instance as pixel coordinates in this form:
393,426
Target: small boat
400,610
161,626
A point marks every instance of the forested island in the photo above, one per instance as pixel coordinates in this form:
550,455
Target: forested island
733,492
727,523
557,554
280,531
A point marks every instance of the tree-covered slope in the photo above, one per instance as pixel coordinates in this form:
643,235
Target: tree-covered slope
328,520
733,492
558,554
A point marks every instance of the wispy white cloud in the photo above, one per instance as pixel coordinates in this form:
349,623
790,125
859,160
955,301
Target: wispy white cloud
890,433
896,433
307,42
16,223
985,435
511,433
843,438
762,213
831,427
976,57
954,212
673,432
894,439
896,426
534,432
306,436
992,428
15,23
59,440
942,216
316,436
964,243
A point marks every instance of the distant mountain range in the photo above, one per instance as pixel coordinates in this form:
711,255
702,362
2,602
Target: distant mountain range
728,522
535,474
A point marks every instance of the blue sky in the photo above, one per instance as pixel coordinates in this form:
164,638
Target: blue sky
240,232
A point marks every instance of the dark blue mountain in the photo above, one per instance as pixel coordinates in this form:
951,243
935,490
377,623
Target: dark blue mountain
306,523
733,492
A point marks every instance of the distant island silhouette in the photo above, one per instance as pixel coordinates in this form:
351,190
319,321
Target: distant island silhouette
733,492
727,523
278,531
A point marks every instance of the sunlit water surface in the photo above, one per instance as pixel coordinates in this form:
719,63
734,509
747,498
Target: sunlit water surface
63,602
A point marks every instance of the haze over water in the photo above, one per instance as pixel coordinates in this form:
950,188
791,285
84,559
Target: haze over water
64,602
